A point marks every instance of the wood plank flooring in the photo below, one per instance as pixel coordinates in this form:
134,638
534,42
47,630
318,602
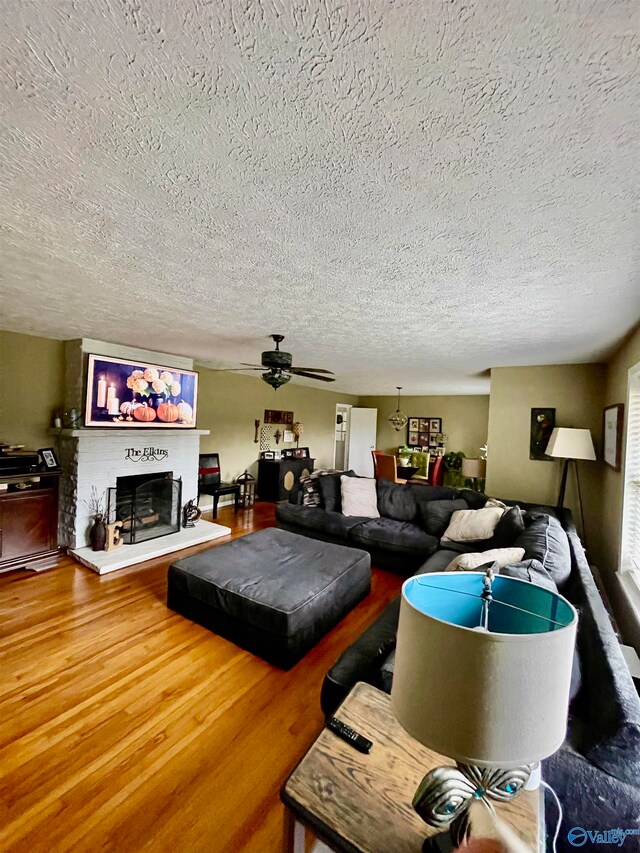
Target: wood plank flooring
125,727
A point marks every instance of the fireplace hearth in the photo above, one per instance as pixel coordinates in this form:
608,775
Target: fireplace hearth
147,505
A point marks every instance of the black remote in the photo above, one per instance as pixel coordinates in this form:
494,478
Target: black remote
362,744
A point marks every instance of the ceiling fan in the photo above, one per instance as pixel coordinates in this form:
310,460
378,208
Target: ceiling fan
280,370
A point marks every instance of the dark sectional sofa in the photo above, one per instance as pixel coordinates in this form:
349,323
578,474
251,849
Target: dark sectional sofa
596,773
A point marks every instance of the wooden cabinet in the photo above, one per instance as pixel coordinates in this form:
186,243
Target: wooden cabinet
28,521
276,478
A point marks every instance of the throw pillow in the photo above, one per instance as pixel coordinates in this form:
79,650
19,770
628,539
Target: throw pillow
470,562
545,540
468,524
496,502
510,526
436,515
396,501
330,489
359,497
475,500
310,490
529,570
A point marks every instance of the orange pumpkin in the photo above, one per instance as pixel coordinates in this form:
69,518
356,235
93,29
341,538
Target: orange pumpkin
144,413
168,412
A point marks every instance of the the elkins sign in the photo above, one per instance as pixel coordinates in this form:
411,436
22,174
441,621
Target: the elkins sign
146,454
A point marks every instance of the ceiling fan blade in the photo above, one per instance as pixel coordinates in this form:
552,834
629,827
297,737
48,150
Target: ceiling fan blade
310,370
257,366
240,369
299,372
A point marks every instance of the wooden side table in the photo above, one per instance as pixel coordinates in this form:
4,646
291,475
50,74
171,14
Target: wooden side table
359,803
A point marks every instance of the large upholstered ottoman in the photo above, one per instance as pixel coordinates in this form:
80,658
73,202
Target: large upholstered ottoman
273,593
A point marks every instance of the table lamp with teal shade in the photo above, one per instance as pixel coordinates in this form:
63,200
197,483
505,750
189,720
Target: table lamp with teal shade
482,675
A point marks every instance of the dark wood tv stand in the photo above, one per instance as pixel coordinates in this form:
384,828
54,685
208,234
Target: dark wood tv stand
29,521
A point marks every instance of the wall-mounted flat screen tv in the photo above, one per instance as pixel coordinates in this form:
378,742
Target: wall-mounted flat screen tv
134,394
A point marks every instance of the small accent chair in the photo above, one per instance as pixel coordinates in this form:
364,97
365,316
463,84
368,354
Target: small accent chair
209,482
385,467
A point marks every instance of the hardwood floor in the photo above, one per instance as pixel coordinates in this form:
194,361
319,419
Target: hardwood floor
123,726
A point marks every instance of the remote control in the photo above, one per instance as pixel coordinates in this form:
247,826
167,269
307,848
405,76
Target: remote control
362,744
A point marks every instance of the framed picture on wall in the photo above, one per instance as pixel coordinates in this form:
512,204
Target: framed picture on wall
542,423
612,422
414,424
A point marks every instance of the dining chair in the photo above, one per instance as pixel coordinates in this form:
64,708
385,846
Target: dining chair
385,466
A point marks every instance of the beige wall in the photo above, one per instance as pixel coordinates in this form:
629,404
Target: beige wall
228,405
576,392
31,387
464,419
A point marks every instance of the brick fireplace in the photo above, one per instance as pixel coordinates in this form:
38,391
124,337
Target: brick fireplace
95,458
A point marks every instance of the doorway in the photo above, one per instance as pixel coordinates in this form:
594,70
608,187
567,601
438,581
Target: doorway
343,411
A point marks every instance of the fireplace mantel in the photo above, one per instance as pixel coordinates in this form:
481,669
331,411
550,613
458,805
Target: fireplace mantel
111,431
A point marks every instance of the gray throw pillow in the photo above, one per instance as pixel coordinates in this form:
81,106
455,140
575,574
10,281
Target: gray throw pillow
436,515
545,540
510,526
331,490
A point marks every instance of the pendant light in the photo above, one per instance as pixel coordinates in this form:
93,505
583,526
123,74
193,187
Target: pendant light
398,419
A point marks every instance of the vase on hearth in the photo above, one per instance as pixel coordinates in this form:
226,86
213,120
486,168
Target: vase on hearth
98,533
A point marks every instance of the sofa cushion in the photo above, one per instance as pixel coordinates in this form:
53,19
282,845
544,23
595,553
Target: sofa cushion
530,570
436,515
330,489
396,501
510,526
359,497
472,524
471,562
425,493
437,562
400,536
544,539
313,519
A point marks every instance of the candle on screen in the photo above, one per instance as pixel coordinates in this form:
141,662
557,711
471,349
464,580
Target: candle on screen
113,406
102,392
111,393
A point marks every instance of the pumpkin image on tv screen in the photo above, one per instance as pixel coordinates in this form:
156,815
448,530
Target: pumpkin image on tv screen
132,394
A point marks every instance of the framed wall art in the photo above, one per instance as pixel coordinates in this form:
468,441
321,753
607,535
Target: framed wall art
422,432
612,423
542,423
272,416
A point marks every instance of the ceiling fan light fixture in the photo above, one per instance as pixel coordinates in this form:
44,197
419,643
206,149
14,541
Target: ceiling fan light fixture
276,378
398,419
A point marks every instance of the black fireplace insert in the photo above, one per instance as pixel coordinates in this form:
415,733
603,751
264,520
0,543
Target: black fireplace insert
147,505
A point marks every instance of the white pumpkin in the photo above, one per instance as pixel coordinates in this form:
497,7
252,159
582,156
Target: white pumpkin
185,412
127,408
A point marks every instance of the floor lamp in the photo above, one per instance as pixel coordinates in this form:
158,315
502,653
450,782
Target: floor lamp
571,444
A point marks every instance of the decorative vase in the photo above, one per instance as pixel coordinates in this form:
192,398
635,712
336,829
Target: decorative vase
98,533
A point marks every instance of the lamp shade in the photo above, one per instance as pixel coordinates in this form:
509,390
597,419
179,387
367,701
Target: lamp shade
568,443
489,698
474,468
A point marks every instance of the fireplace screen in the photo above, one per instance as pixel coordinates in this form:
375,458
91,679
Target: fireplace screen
148,505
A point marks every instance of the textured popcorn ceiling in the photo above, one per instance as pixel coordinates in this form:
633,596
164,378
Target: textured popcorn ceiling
412,192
